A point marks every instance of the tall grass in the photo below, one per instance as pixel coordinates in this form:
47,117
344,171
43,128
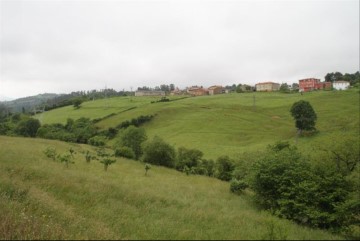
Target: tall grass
85,202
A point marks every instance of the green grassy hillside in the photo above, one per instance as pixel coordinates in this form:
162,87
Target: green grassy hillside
224,124
42,199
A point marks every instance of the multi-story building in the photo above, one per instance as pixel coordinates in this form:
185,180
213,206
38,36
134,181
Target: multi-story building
216,89
149,93
313,84
267,86
197,91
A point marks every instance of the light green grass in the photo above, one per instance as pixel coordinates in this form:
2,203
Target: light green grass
226,124
84,202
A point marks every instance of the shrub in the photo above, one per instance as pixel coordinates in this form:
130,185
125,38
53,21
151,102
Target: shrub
237,186
66,158
188,157
209,166
28,127
158,152
125,151
224,168
105,158
133,138
89,157
107,162
135,121
286,183
97,141
50,152
147,168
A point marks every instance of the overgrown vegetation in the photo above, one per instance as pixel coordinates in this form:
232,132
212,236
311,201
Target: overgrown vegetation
79,131
135,121
319,195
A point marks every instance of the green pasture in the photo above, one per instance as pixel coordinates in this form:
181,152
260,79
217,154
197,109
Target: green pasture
42,199
226,124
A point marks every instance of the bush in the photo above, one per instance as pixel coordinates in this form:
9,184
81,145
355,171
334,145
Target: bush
133,138
224,168
286,183
188,157
97,141
28,127
125,151
50,152
135,121
237,186
80,131
158,152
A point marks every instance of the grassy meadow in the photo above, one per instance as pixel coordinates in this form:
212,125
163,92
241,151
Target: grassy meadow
227,124
42,199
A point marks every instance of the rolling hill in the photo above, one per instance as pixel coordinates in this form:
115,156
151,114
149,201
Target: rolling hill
223,124
42,199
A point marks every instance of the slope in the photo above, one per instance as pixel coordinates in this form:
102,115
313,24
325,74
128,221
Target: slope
41,199
224,124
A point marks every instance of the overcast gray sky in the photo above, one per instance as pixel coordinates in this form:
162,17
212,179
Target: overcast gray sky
64,46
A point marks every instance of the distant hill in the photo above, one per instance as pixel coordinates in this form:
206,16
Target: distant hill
30,102
5,98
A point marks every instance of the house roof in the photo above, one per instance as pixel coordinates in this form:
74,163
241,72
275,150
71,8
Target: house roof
341,81
214,87
309,79
269,82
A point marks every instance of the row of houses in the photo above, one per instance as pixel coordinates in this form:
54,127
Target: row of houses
305,85
193,91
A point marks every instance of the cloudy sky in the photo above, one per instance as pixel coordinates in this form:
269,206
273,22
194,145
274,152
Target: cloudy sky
64,46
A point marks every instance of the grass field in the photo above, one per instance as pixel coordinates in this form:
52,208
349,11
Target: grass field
226,124
41,199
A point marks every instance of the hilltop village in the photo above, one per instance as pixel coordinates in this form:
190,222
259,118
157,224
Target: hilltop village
303,85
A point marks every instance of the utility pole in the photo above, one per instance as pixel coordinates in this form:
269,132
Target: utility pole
106,102
131,93
254,102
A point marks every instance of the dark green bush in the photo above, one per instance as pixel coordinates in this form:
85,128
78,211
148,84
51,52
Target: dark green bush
132,137
125,151
188,157
27,127
80,131
158,152
286,183
224,168
237,186
97,141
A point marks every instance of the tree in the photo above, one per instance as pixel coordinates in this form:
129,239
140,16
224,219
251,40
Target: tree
28,127
331,77
188,157
304,116
66,158
105,158
158,152
133,137
147,168
284,88
225,167
77,102
286,183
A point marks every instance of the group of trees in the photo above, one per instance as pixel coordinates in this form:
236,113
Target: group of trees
163,87
354,78
19,125
133,143
312,193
